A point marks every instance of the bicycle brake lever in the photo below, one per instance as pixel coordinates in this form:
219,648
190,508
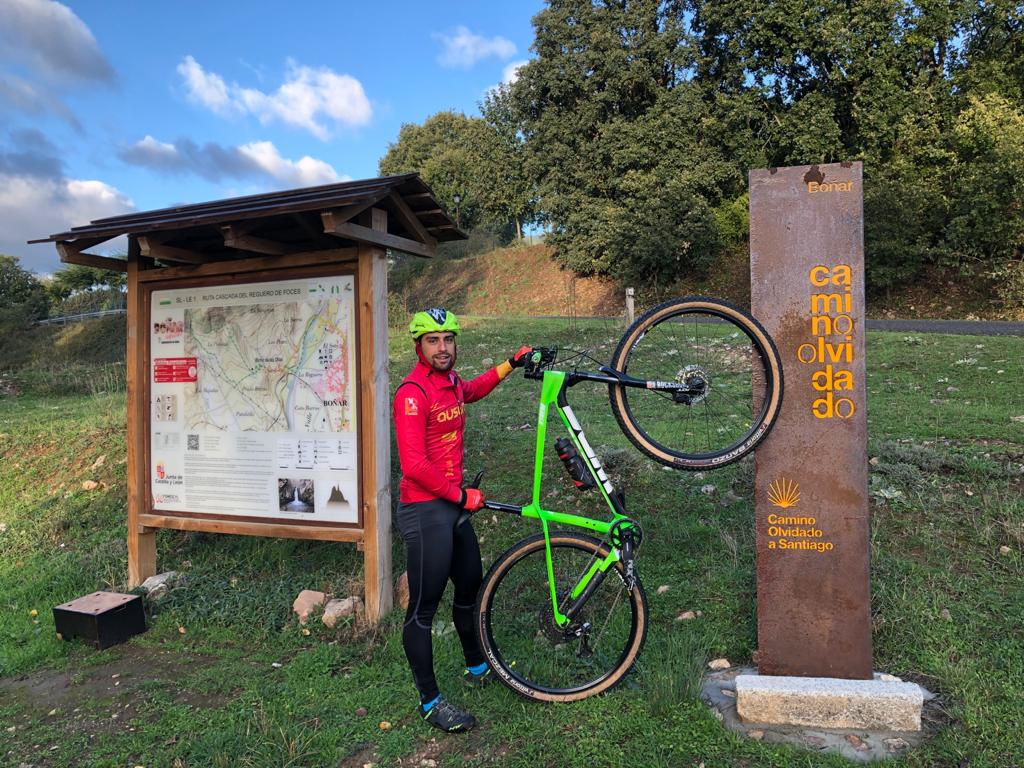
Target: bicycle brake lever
475,484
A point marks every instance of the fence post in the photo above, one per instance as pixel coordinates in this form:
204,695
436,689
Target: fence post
629,306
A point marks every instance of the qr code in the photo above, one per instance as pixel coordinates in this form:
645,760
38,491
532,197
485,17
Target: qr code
193,442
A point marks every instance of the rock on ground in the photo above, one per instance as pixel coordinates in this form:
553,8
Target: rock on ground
306,602
157,587
338,609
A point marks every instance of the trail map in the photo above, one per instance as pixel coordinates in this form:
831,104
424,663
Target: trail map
252,395
270,368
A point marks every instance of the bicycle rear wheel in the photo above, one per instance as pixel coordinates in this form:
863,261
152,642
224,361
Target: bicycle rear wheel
516,628
729,367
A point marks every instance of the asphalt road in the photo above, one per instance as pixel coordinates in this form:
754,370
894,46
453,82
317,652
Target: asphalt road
965,327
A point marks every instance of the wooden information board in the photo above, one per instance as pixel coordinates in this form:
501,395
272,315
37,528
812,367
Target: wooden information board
257,363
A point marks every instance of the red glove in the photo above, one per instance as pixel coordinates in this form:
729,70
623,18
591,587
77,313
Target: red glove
518,360
472,499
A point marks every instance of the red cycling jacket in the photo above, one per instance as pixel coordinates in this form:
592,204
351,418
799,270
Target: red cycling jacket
429,410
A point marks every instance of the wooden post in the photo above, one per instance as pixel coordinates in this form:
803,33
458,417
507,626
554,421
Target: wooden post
630,310
374,424
141,540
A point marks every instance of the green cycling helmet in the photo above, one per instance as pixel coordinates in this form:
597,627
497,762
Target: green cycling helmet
433,320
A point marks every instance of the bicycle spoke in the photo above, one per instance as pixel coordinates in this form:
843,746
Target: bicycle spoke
544,655
719,368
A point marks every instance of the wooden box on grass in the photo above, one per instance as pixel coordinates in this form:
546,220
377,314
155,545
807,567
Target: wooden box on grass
102,619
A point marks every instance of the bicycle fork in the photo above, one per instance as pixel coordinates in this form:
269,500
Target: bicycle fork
595,575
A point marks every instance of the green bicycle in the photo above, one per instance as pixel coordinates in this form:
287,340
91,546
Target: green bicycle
694,383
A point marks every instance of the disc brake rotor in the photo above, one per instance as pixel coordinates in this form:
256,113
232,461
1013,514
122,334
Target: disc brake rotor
550,629
697,383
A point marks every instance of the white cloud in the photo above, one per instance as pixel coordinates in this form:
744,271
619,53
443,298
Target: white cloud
33,207
304,172
89,199
46,49
217,162
511,71
310,98
157,148
48,38
204,87
463,49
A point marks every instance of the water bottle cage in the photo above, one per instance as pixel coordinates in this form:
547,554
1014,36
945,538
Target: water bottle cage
582,478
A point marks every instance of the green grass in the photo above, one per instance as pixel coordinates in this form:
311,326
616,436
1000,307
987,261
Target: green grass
946,490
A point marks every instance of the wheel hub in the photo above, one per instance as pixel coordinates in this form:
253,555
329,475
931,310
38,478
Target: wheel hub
574,630
696,383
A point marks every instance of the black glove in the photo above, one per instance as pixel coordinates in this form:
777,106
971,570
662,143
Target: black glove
518,360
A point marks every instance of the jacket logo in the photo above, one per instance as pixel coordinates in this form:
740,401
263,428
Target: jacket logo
412,408
452,413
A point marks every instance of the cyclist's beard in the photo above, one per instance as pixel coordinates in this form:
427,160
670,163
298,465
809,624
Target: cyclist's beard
438,366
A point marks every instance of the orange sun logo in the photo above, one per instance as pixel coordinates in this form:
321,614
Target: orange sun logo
784,493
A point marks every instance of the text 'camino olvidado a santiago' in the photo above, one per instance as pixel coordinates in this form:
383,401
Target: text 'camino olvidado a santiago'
828,352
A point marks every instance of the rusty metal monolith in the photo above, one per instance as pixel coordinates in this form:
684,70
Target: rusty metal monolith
807,288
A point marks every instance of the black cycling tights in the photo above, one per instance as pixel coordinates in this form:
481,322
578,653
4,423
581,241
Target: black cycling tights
436,551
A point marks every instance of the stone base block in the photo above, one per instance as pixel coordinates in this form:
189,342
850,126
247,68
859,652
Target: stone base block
824,702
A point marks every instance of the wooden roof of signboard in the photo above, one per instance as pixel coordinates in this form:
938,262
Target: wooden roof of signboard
273,224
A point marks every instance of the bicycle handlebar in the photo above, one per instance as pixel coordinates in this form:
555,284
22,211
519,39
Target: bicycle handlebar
541,359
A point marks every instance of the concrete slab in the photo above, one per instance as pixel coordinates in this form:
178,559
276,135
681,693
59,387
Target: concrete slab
822,702
860,745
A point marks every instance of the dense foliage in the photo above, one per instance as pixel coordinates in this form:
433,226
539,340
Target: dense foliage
71,290
473,166
631,131
77,289
22,297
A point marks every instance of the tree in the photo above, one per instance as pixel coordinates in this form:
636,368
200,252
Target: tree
509,194
444,151
986,212
993,57
76,289
22,297
616,140
76,278
630,133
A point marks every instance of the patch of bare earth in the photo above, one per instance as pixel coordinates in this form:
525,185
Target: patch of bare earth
430,751
513,281
105,699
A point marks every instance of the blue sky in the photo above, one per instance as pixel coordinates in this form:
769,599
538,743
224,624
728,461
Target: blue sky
110,106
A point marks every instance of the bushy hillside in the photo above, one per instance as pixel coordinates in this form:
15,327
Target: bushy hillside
527,281
83,358
509,281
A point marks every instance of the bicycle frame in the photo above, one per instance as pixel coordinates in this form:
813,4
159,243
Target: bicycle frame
553,393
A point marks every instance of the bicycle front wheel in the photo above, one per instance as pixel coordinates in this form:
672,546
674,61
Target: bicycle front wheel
729,376
515,623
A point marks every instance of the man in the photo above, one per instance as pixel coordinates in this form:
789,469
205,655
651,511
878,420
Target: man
429,412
